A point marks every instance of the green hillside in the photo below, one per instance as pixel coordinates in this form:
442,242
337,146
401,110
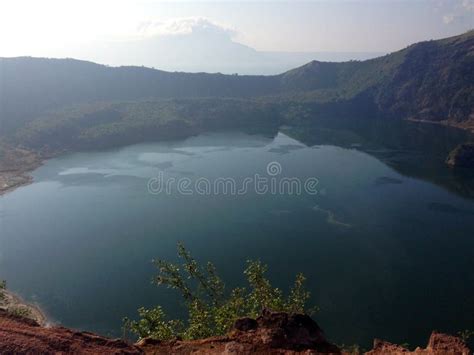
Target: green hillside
56,104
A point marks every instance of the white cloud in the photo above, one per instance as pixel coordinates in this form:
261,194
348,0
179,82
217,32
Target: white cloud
468,5
183,26
459,10
449,18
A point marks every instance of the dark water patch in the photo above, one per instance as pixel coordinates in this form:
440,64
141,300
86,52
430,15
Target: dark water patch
280,212
386,180
447,208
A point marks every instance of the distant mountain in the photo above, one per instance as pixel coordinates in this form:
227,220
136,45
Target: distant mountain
201,53
431,80
200,50
198,45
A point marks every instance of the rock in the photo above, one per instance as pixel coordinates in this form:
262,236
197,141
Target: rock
148,342
245,324
439,344
279,330
292,331
462,156
234,347
384,347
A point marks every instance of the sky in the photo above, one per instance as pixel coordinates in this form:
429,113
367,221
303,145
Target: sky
103,29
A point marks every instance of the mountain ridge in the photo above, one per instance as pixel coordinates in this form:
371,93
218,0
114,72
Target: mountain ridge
430,81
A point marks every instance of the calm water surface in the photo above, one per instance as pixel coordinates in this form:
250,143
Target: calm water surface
387,244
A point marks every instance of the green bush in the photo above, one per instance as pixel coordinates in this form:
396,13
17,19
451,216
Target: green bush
211,310
466,335
20,311
3,286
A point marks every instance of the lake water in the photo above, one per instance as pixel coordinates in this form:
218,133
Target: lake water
387,242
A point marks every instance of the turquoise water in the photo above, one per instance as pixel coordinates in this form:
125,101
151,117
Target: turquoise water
387,242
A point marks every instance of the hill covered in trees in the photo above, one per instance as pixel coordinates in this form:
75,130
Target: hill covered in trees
55,104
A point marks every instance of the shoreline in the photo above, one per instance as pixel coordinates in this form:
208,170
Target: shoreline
15,303
21,162
445,123
16,167
10,182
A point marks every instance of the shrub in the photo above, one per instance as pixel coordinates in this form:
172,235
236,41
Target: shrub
211,310
3,286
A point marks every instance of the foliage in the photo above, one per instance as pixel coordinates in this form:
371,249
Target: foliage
152,324
20,311
211,310
16,310
108,124
466,335
353,349
3,286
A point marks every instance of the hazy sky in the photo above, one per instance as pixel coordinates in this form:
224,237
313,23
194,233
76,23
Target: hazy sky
61,28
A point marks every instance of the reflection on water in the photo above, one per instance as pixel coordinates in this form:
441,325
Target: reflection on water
331,217
386,244
417,150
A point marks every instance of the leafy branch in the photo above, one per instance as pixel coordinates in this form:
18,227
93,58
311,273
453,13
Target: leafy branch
211,310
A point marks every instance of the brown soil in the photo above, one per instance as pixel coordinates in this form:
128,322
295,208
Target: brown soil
439,344
271,333
24,336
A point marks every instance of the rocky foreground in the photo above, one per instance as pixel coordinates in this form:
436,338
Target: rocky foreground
271,333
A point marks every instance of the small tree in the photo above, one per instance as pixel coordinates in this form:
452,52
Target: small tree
212,311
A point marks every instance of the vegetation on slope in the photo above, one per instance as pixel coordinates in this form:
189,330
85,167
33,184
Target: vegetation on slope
62,104
211,310
116,123
435,81
12,306
32,86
